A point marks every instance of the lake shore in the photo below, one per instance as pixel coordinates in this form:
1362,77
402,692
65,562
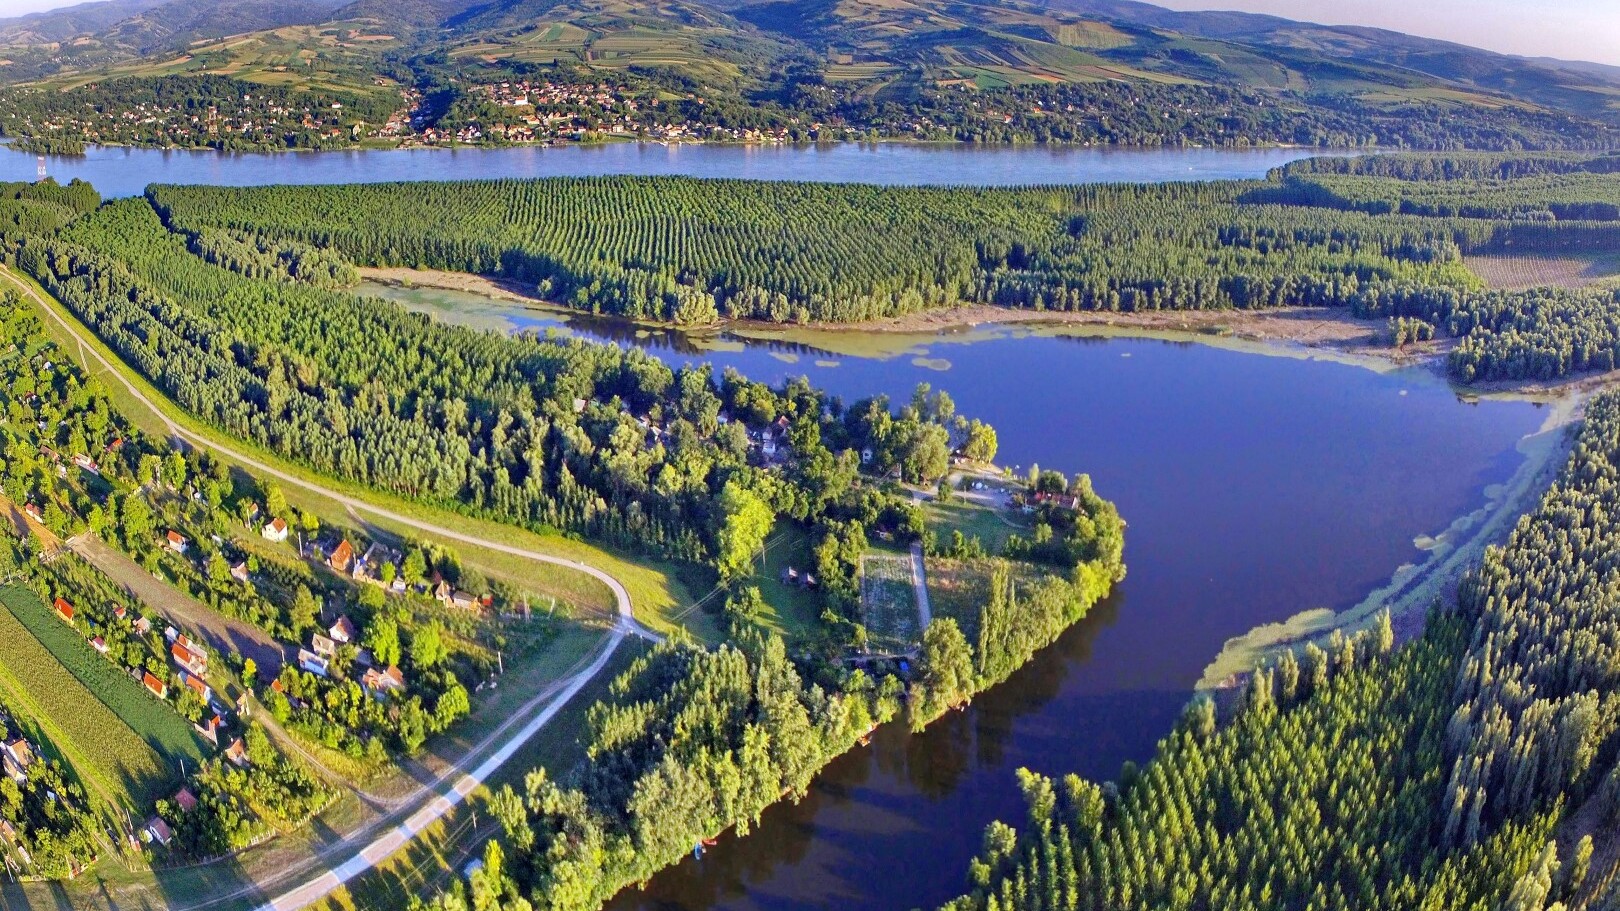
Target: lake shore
1289,331
1414,588
1312,327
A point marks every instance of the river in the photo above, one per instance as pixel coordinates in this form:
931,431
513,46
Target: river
126,172
1254,487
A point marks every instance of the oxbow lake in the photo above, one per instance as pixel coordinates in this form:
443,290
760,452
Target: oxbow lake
127,172
1255,486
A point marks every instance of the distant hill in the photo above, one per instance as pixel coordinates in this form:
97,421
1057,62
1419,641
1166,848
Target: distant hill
887,52
70,22
1589,89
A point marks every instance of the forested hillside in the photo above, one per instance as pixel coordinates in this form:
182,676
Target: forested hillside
1432,776
514,71
1380,237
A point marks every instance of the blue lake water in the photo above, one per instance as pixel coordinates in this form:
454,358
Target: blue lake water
1254,487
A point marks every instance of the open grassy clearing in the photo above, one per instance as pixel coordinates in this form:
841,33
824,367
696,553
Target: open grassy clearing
1522,272
974,520
118,764
791,609
959,589
889,601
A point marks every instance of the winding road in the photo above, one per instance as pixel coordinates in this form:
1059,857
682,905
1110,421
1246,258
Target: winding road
434,800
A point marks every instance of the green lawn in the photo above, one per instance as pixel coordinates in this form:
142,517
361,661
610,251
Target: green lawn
791,610
123,741
958,589
990,526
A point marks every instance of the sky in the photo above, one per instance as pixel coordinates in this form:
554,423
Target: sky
1570,29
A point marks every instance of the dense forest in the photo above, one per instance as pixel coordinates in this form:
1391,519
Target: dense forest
1382,237
1360,776
550,433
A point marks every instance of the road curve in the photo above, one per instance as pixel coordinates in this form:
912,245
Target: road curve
383,846
439,804
626,618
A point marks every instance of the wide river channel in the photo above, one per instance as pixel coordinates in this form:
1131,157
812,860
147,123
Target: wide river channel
1255,486
126,172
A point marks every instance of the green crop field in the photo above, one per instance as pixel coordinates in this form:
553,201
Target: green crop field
888,602
107,753
132,739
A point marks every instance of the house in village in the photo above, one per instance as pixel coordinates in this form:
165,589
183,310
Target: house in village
177,542
155,686
370,564
342,631
313,663
383,683
236,754
157,830
18,756
321,645
275,530
190,659
239,572
63,610
209,726
341,557
185,800
199,686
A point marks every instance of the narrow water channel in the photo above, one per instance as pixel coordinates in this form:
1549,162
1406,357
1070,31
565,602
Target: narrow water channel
1254,487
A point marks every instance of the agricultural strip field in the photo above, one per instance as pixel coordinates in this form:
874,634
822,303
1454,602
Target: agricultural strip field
888,601
1523,272
126,742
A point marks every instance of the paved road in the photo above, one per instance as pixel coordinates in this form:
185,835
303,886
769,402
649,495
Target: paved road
500,747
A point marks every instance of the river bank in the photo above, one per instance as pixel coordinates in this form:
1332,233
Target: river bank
1415,587
1300,327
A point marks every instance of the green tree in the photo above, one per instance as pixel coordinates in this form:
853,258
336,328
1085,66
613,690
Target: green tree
428,650
745,522
945,671
302,614
382,637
